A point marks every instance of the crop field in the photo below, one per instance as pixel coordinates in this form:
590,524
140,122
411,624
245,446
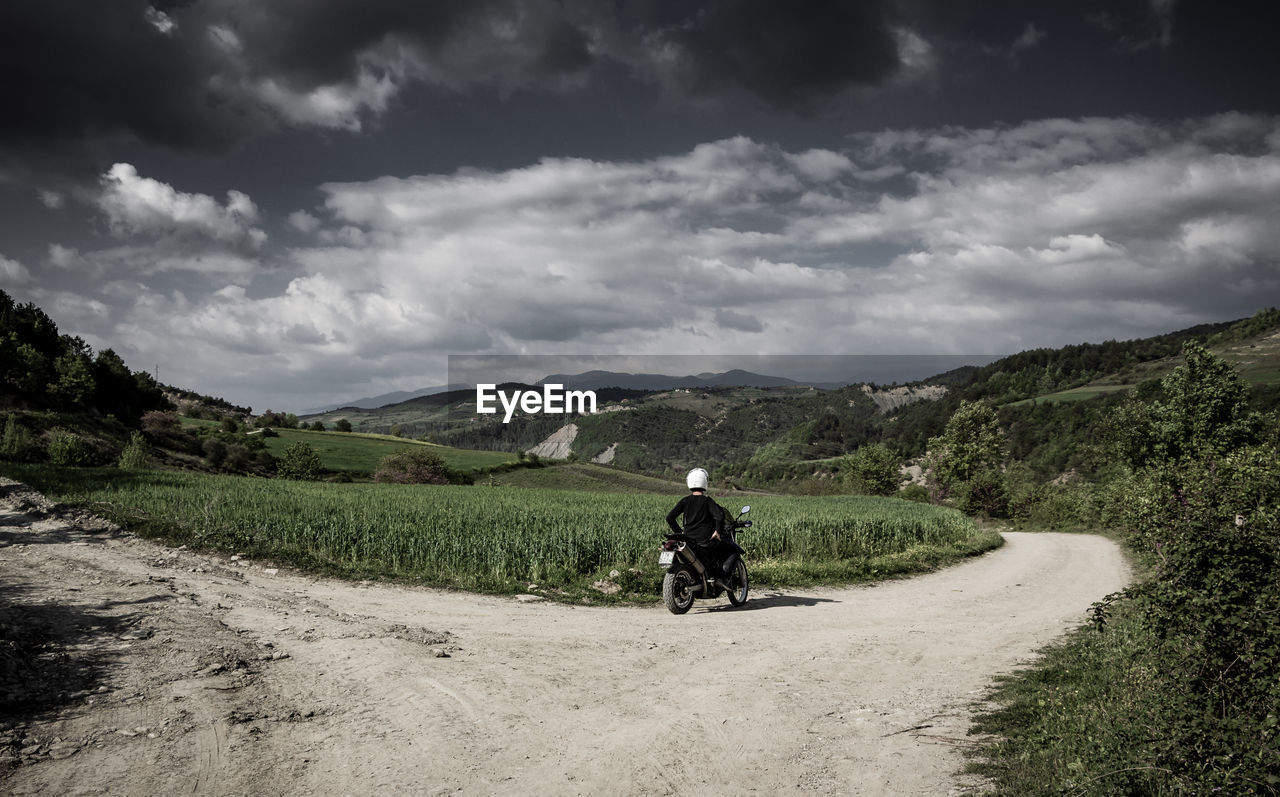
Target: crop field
502,539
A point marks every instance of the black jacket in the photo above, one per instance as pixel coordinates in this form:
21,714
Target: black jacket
702,517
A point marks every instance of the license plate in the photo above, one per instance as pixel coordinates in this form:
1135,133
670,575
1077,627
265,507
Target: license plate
666,557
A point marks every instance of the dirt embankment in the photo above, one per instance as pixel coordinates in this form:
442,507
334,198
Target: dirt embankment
130,668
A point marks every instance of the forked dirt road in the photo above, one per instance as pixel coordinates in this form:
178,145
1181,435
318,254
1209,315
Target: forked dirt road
168,672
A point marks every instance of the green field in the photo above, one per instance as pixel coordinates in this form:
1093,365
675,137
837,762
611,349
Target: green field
360,453
502,539
583,476
1074,394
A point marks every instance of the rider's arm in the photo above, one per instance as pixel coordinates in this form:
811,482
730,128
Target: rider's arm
673,514
717,513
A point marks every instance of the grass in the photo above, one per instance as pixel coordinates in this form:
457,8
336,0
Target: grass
1074,394
502,539
582,476
360,453
1074,723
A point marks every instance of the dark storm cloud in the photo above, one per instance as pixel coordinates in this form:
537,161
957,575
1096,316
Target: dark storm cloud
790,54
314,43
205,75
79,72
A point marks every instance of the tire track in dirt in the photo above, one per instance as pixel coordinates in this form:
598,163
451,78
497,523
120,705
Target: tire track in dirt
316,686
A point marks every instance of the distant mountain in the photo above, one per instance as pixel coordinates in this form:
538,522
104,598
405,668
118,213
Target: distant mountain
595,380
374,402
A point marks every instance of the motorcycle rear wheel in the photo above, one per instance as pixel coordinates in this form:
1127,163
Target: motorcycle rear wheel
738,585
677,591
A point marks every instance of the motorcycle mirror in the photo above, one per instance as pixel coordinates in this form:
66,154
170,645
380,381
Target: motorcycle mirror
745,510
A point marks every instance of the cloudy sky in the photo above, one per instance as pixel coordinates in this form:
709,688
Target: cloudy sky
289,203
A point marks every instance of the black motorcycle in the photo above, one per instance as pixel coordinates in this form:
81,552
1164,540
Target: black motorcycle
688,577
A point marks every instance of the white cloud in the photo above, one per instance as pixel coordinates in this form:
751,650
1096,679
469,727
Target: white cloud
64,256
303,221
991,240
339,106
140,205
160,20
1029,38
13,273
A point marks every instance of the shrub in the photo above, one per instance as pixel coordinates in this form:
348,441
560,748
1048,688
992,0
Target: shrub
416,466
215,451
135,453
238,457
300,461
17,444
984,494
873,470
342,425
68,448
157,422
915,492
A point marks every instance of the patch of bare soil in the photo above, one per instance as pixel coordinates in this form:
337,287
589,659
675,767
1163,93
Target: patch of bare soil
131,668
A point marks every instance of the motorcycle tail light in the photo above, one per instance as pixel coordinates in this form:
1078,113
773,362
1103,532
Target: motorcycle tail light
668,545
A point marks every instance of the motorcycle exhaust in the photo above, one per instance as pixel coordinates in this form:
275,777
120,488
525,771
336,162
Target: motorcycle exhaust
691,559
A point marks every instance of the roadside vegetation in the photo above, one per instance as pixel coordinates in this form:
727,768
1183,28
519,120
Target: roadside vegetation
1172,688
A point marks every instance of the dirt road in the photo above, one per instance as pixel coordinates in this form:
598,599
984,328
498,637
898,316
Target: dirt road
169,672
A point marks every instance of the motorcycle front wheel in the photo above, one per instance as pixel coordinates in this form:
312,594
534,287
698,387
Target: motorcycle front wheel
677,591
738,586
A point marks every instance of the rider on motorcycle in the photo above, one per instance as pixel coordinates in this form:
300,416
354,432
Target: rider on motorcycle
704,523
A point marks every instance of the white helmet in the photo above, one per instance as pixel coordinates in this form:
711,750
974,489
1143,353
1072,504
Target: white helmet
697,479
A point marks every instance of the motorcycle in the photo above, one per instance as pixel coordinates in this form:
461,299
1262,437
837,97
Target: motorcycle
688,577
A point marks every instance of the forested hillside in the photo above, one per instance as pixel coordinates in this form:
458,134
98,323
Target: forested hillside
42,369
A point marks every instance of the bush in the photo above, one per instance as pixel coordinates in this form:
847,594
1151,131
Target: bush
985,494
342,425
158,423
18,445
915,492
416,466
238,458
135,453
300,462
873,470
68,448
215,451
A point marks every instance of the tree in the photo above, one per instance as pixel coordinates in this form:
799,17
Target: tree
873,469
73,385
300,461
1203,412
971,444
342,425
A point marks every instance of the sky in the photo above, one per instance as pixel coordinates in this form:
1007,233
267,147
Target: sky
292,203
